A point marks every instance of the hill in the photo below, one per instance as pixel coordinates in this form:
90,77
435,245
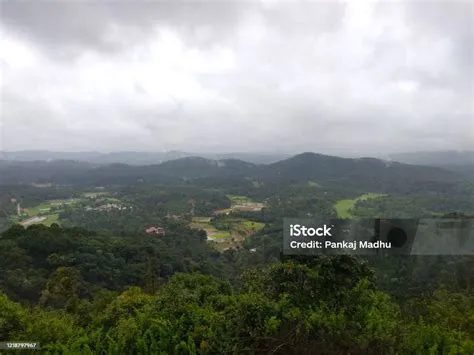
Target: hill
364,173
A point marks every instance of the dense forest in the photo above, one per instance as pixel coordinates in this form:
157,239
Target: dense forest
78,292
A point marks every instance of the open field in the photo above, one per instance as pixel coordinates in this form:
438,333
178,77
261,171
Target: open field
204,223
240,229
241,203
254,226
50,219
46,207
95,194
202,219
344,207
47,212
34,220
238,200
223,211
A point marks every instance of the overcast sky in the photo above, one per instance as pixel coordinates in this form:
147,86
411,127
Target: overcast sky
347,78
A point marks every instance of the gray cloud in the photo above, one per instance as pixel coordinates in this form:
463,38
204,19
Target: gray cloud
340,78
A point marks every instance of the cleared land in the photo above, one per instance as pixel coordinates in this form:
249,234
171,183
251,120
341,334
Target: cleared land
344,208
241,203
239,229
95,194
47,212
34,220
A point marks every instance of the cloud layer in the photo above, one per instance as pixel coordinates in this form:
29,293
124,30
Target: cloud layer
343,78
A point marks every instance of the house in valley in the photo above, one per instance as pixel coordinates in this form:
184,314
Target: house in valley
156,231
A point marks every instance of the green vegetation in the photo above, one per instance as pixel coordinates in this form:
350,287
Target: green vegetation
238,200
252,225
321,305
344,208
50,219
221,235
97,283
95,194
41,208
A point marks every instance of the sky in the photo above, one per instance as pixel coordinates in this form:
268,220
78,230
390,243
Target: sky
344,78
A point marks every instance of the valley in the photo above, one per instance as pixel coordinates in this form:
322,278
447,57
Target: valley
78,255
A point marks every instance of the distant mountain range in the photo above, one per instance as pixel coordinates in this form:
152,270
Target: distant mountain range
436,158
136,158
368,174
458,161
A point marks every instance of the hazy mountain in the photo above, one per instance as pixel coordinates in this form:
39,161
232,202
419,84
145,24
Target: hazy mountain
367,174
58,171
137,158
461,162
437,158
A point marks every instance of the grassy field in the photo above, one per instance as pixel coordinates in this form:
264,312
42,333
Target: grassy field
255,226
95,194
221,235
344,208
48,209
201,219
50,219
33,211
51,209
239,200
240,229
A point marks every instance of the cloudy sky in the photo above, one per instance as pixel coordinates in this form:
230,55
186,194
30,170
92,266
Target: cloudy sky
356,77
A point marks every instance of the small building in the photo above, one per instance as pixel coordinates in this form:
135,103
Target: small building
156,231
110,206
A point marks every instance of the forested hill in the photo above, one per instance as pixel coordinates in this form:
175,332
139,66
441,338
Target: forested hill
364,173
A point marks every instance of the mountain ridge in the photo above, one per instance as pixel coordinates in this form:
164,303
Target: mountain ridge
367,173
135,158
